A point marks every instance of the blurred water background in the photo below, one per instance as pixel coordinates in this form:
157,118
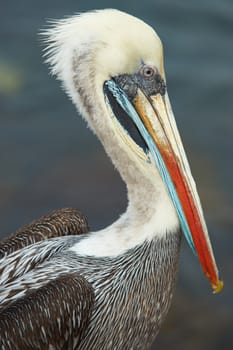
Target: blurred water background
49,159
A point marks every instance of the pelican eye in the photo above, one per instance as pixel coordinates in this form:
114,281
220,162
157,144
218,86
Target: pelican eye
149,80
148,72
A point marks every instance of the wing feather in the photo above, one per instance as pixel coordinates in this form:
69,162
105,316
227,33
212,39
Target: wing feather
62,222
54,316
26,259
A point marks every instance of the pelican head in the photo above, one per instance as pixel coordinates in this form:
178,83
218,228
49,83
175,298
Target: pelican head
111,65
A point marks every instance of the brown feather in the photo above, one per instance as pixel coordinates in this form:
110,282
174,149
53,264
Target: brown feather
54,316
62,222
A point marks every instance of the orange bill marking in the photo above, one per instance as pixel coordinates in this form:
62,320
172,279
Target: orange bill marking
185,196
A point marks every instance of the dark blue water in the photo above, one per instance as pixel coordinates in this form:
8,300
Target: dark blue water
50,160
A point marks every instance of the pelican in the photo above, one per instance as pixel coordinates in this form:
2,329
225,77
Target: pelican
111,289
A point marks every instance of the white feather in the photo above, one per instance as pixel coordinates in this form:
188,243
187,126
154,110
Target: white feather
84,51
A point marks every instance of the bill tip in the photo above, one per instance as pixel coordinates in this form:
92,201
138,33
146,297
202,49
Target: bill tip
217,287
